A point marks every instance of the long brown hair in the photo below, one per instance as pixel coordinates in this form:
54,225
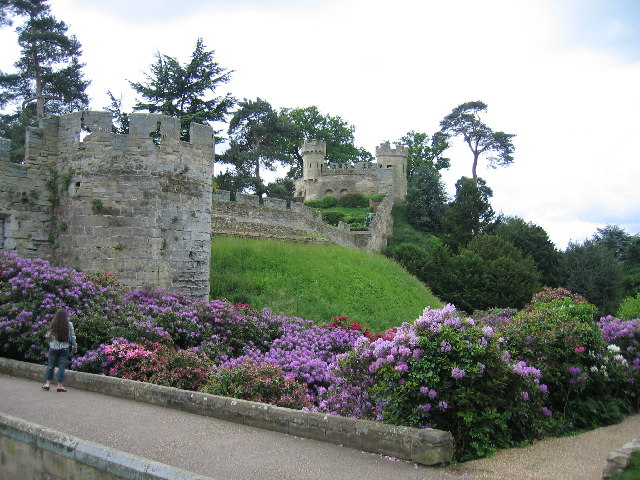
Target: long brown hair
59,327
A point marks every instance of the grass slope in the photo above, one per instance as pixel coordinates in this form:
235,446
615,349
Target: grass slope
316,281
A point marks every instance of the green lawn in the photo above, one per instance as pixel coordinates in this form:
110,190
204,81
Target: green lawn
316,281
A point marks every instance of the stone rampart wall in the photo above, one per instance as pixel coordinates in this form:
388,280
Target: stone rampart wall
136,205
25,206
245,214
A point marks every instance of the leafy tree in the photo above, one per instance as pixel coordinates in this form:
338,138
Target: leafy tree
255,135
11,8
626,249
631,267
48,71
308,123
48,67
186,91
426,199
592,270
533,241
614,238
468,214
491,273
120,118
465,121
424,151
282,188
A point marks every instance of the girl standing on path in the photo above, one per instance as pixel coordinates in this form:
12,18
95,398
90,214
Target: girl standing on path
60,336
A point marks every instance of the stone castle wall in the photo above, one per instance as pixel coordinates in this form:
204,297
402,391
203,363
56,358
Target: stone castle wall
320,178
136,205
245,215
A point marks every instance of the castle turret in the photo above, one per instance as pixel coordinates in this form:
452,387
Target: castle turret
313,153
396,158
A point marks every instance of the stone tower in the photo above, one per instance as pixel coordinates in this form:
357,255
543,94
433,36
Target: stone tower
396,158
313,153
135,205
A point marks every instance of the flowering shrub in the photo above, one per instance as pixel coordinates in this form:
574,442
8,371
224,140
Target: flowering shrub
149,362
259,383
345,324
496,380
444,371
549,294
31,290
623,337
587,385
304,350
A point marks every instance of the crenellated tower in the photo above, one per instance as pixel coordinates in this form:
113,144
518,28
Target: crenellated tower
395,158
313,153
136,205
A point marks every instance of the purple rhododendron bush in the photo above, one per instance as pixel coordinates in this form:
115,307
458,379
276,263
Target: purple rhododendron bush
499,379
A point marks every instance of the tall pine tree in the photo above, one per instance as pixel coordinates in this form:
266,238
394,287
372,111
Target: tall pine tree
186,91
48,77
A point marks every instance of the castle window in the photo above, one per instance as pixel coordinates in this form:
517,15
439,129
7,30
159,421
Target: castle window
84,131
328,191
344,191
157,134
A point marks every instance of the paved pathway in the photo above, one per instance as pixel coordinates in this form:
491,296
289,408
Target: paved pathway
229,451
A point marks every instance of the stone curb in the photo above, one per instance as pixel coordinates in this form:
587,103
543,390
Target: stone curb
619,459
97,457
424,446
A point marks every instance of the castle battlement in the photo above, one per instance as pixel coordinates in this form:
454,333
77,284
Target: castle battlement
313,146
144,128
386,150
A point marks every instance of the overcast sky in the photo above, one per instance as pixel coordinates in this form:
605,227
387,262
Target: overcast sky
563,75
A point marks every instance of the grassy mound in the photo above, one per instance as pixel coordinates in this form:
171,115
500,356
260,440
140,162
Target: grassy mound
316,282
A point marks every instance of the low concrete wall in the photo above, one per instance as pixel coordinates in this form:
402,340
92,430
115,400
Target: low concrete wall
424,446
30,451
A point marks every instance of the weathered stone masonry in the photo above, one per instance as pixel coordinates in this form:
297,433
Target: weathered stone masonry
246,215
136,205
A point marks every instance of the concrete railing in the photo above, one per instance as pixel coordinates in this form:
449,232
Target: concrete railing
424,446
32,451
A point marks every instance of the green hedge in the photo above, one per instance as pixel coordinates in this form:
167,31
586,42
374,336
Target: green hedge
324,202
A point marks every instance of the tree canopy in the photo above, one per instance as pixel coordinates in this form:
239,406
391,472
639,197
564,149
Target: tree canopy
592,271
48,75
309,123
186,91
256,133
465,121
424,150
48,67
533,241
468,214
426,199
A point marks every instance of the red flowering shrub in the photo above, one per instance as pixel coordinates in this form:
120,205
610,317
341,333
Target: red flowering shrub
548,294
159,364
259,383
341,322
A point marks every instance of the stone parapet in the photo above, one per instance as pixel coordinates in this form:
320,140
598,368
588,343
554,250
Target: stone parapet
30,451
424,446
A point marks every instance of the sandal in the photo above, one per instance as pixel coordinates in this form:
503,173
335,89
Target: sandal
61,389
44,387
